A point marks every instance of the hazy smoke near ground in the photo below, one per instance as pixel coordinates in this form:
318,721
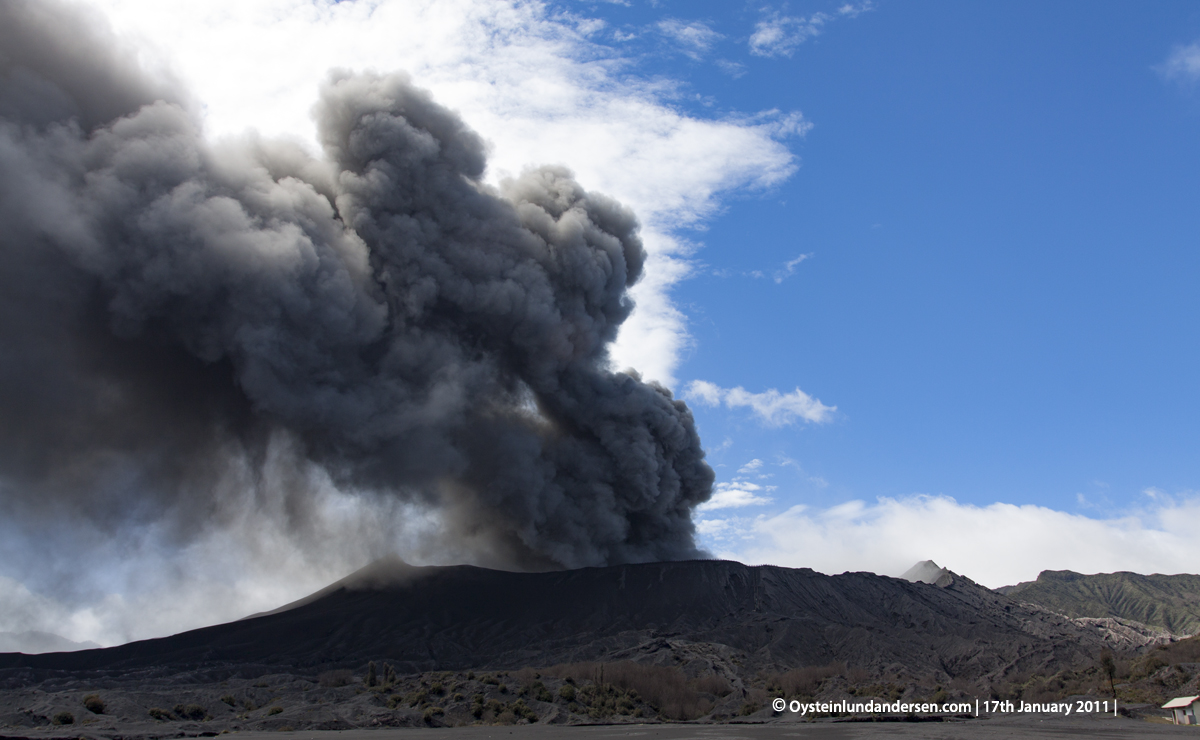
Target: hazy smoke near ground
178,318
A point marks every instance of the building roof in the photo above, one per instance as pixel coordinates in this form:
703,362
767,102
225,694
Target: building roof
1179,702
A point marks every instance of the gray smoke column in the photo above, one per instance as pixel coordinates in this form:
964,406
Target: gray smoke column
171,310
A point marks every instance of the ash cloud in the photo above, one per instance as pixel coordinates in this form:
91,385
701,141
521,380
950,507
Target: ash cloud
175,316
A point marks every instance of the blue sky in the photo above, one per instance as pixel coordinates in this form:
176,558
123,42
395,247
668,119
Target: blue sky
925,271
999,201
1000,295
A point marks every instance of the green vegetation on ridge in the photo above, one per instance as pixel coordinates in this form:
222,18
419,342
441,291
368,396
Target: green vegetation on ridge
1171,603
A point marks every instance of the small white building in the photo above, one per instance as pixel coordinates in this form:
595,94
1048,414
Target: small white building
1183,709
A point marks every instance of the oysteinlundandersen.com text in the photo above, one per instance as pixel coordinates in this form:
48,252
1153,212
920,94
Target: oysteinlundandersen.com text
1065,708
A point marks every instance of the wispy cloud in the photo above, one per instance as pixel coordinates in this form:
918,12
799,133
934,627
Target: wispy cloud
852,10
751,466
778,275
815,480
1183,64
777,35
733,69
693,38
772,407
994,545
789,268
735,494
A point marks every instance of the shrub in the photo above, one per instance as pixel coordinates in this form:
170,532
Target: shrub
228,699
506,718
436,688
520,709
567,692
417,697
749,708
190,711
526,675
431,713
1148,665
93,703
63,718
159,714
665,689
604,700
274,710
713,684
805,681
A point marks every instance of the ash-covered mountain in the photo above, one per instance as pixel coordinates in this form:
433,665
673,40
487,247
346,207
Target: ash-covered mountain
724,616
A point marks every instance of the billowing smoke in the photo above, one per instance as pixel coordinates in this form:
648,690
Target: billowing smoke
176,315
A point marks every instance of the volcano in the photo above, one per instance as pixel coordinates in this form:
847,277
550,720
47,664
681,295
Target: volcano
745,618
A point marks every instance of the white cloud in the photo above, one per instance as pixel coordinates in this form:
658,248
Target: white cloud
777,35
735,70
535,84
725,445
772,407
1183,63
702,391
735,494
994,545
789,268
751,466
850,10
694,38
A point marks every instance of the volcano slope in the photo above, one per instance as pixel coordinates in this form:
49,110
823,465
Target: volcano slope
459,645
736,619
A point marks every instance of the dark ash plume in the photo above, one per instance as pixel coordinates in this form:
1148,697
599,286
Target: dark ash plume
170,310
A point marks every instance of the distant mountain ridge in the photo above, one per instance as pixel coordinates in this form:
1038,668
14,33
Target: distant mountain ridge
32,642
1168,602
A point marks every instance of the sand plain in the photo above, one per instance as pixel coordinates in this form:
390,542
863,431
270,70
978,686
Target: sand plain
984,728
